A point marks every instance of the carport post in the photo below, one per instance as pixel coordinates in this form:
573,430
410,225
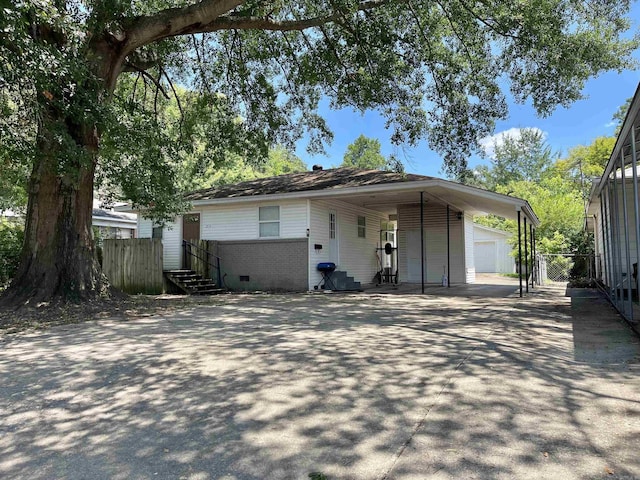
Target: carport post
533,261
422,239
519,254
526,256
449,250
605,241
618,243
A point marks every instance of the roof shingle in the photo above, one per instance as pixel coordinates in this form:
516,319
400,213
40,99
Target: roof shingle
331,179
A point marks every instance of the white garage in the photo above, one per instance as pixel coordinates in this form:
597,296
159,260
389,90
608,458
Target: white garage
492,251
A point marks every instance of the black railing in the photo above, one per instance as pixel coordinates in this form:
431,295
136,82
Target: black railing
192,251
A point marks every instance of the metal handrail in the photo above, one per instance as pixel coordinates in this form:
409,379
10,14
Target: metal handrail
187,246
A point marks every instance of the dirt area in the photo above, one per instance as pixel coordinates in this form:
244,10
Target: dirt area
354,386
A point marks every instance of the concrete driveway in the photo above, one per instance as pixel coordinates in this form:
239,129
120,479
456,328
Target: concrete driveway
360,386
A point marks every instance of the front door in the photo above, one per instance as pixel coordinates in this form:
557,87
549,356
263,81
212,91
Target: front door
191,234
334,252
191,227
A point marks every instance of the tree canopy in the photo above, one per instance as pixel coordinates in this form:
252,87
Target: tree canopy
517,157
365,153
82,82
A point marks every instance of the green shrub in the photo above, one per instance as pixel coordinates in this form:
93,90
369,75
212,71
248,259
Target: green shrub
11,238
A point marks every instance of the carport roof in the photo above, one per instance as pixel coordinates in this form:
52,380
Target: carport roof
374,189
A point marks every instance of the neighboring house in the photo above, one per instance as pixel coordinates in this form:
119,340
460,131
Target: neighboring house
271,233
613,215
492,251
112,224
10,216
108,222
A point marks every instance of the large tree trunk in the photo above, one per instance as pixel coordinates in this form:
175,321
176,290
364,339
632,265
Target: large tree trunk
58,259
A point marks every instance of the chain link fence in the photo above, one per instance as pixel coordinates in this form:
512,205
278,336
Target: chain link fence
565,267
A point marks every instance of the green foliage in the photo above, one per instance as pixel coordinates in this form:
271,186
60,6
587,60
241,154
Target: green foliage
620,114
235,168
365,153
318,476
523,157
434,70
586,162
11,239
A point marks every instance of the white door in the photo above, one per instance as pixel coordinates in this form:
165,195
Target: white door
414,259
486,257
334,248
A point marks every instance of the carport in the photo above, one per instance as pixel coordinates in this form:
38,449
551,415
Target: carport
434,228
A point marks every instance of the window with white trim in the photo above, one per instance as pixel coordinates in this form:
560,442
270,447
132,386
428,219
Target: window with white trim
269,221
362,226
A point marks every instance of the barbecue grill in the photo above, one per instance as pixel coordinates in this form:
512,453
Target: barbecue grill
326,269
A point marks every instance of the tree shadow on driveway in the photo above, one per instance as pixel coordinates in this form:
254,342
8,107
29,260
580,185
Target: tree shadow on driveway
353,386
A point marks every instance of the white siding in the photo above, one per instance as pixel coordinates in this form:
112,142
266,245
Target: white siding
240,221
502,261
171,241
435,238
357,255
144,227
470,270
172,244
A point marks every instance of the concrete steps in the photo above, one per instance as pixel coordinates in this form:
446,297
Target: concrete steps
192,283
342,282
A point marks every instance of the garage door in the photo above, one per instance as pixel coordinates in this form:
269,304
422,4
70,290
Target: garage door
486,260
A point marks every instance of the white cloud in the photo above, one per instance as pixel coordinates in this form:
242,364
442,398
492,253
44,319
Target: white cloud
613,123
489,143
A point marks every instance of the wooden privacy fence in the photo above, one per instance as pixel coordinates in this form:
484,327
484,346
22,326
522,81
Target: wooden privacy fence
203,257
134,265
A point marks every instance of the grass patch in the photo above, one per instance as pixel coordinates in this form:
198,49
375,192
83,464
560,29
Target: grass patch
510,275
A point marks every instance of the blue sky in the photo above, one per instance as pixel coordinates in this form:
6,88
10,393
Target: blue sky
564,128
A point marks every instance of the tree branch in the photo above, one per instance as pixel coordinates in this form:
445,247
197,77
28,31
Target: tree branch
214,15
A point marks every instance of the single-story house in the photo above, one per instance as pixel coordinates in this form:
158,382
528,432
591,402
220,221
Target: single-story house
112,224
109,222
613,215
272,233
492,251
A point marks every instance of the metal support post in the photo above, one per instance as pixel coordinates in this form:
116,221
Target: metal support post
627,245
422,239
618,243
533,260
526,257
448,249
519,254
636,208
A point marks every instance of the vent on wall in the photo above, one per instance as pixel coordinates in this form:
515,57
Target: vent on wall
244,278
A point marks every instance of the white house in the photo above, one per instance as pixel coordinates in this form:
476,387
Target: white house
492,251
271,233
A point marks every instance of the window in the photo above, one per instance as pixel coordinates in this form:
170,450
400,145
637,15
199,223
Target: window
362,227
156,232
269,220
332,225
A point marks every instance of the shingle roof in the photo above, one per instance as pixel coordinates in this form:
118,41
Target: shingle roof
332,179
97,212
